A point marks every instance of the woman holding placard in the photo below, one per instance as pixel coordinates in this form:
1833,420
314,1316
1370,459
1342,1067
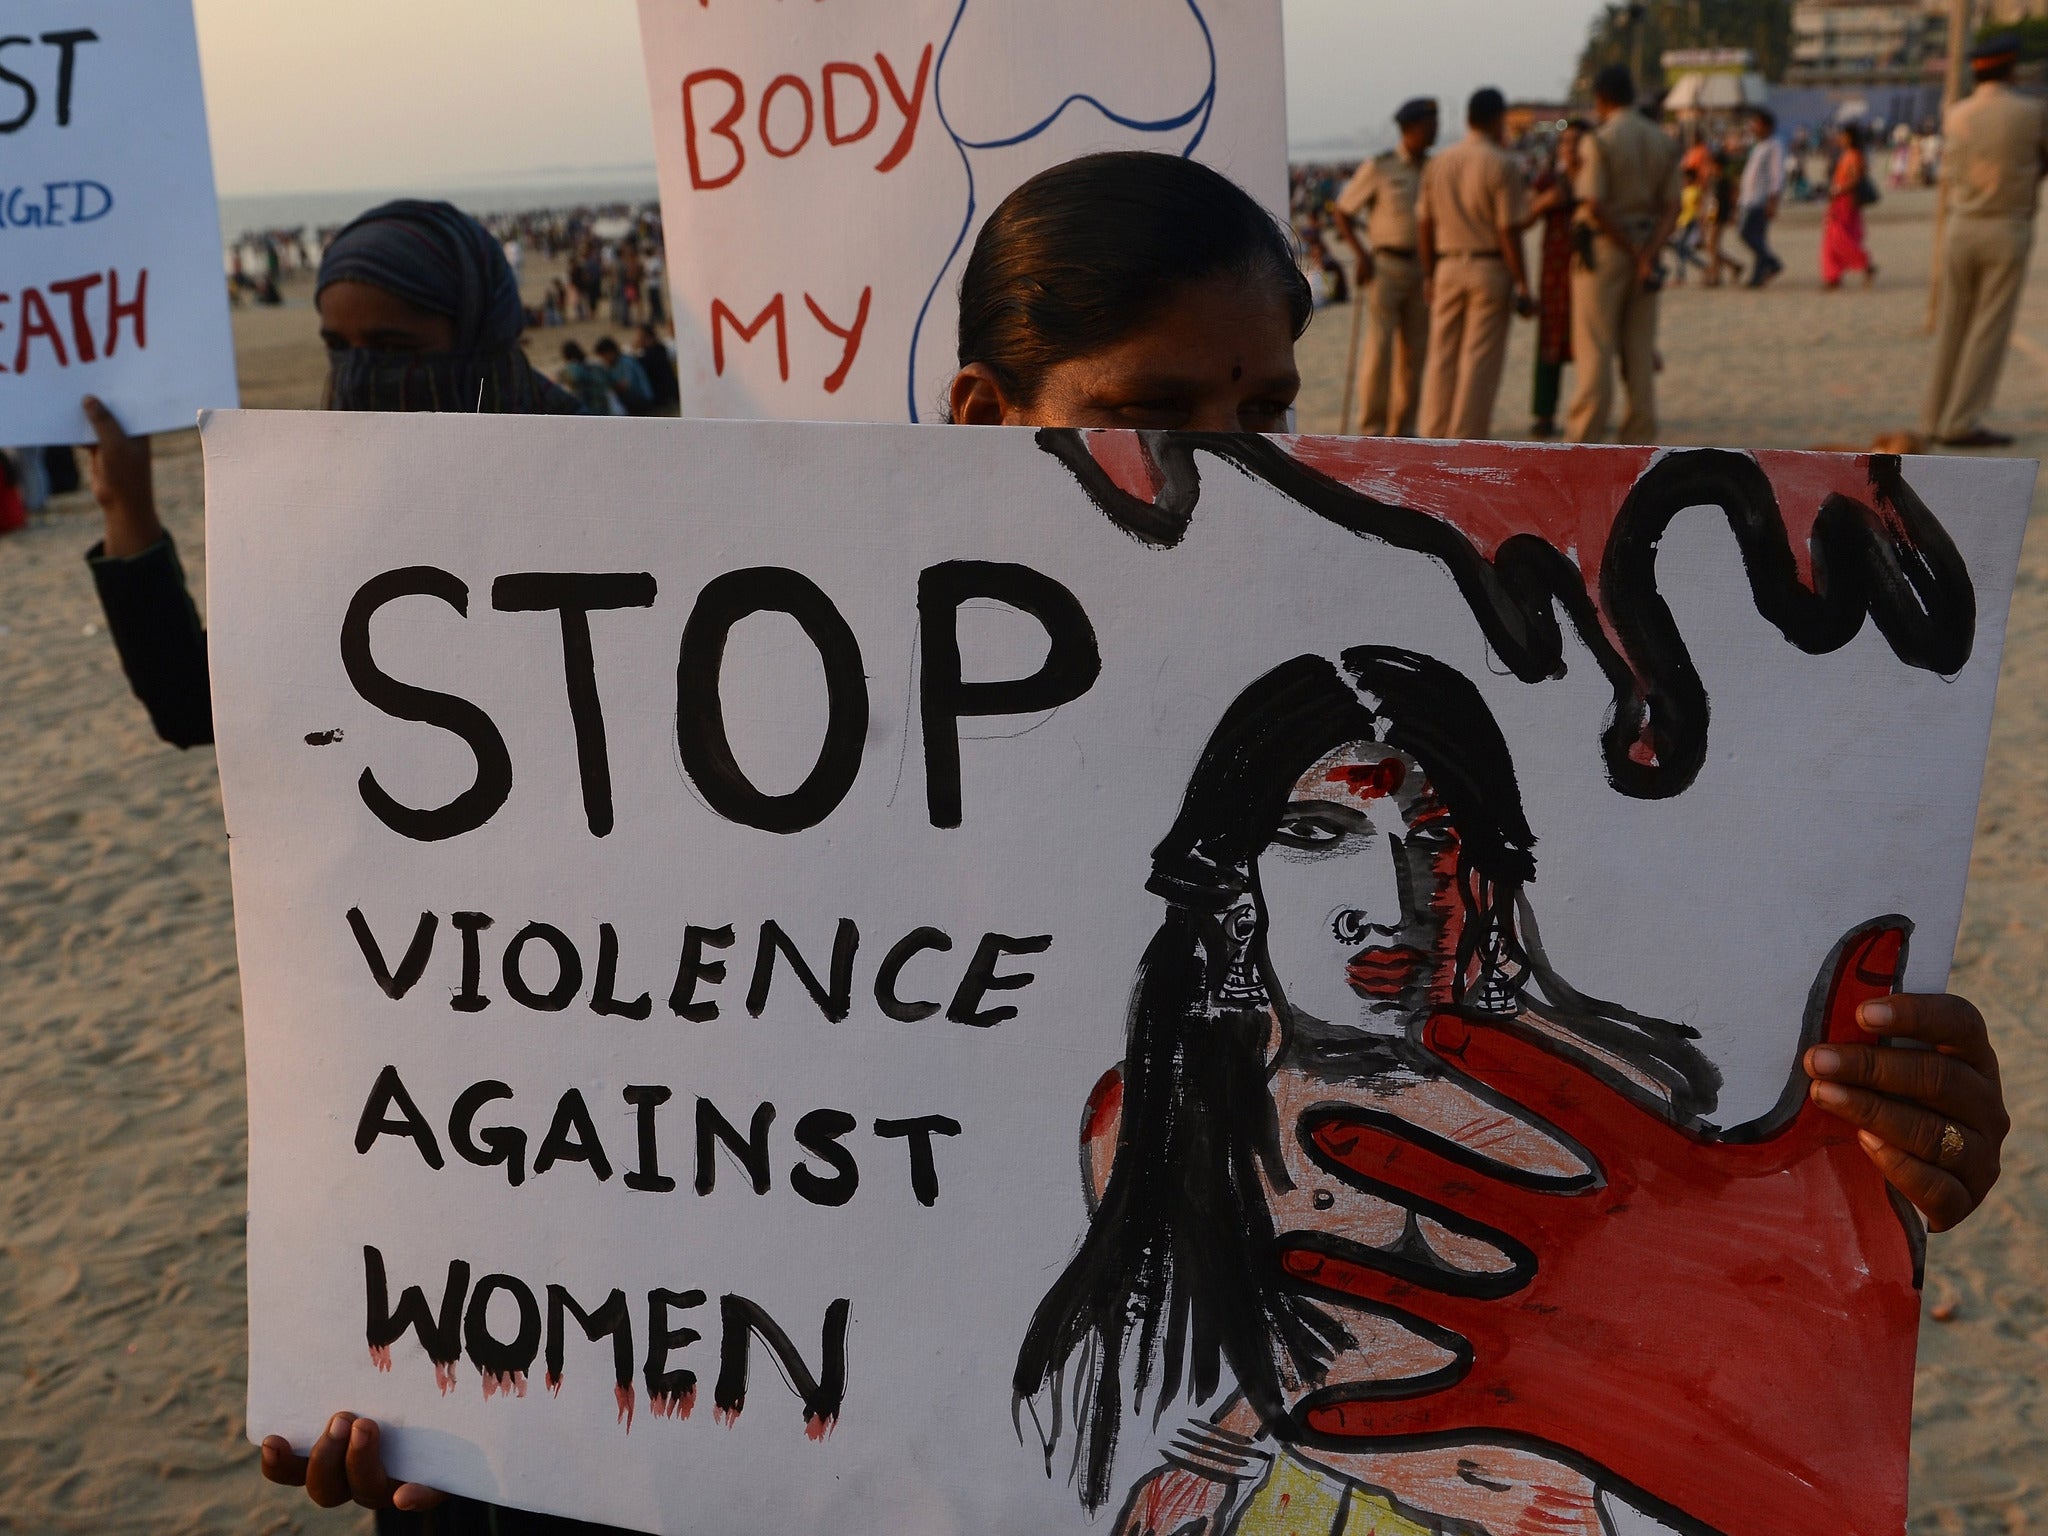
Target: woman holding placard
1124,290
419,312
1075,312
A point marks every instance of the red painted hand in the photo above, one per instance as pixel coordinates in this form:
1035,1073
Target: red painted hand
1725,1327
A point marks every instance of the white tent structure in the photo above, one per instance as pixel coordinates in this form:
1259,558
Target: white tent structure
1717,91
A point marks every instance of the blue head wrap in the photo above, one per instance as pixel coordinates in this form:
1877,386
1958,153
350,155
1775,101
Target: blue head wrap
439,259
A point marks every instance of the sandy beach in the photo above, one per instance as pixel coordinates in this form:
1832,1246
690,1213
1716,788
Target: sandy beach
122,1133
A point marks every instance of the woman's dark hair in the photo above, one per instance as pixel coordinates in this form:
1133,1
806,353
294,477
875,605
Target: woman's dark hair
1852,134
1086,252
1179,1256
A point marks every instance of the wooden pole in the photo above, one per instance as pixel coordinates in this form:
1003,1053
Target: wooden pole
1959,19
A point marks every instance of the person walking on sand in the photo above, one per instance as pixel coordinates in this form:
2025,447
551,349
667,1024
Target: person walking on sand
1849,189
1722,210
1389,272
1470,234
1994,154
1763,183
1628,189
1553,208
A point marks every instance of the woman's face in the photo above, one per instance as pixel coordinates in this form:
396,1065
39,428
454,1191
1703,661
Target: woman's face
1358,889
356,317
1217,357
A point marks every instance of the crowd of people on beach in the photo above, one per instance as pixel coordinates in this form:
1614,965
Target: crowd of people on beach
1428,331
1628,203
611,254
1717,149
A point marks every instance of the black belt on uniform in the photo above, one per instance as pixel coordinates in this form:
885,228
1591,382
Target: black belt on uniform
1405,253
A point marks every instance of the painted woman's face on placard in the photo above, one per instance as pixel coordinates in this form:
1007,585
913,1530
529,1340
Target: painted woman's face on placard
1358,889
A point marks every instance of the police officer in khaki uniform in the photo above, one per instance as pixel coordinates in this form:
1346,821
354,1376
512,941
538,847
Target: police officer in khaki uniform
1470,232
1629,186
1994,153
1385,191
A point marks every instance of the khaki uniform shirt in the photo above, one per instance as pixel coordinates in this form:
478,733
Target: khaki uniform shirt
1385,189
1634,170
1993,141
1471,193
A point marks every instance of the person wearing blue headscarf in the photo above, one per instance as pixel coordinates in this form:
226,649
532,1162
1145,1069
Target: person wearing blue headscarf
420,312
443,264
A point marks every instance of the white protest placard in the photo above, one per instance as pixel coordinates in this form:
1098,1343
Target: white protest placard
768,1007
110,264
824,168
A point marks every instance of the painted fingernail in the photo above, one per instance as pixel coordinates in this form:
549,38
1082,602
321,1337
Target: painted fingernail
1825,1061
1830,1094
1875,1015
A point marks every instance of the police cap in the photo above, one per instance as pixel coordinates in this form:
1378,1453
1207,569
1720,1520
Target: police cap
1999,48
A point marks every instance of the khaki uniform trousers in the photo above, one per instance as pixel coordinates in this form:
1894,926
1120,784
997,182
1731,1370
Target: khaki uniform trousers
1396,340
1984,267
1613,321
1469,317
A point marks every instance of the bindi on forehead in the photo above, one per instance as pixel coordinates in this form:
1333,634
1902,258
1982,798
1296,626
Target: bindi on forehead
1370,781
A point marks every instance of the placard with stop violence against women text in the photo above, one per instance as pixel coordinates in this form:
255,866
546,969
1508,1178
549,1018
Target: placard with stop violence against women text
824,168
785,964
110,261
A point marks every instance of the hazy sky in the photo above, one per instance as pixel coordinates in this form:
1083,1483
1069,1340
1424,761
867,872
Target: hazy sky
319,95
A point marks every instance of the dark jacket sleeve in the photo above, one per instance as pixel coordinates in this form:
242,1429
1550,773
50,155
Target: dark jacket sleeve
157,632
467,1517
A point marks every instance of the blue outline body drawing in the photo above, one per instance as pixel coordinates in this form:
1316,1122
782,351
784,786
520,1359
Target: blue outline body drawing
1199,115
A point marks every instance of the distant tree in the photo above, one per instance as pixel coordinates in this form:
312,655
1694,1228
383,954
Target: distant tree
2033,33
1628,31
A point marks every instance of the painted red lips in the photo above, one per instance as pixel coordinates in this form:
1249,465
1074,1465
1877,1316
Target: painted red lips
1380,974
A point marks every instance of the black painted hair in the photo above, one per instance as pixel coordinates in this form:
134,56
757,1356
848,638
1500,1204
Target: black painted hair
1486,107
1085,252
1179,1255
1615,85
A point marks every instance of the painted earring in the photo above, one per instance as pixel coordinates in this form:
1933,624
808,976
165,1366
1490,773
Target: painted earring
1242,984
1500,981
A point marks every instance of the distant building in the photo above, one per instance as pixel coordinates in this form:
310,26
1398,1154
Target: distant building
2003,13
1858,44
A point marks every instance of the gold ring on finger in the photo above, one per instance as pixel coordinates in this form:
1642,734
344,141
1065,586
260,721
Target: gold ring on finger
1951,1149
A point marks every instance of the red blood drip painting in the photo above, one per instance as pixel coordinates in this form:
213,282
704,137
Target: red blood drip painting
672,1405
1371,781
